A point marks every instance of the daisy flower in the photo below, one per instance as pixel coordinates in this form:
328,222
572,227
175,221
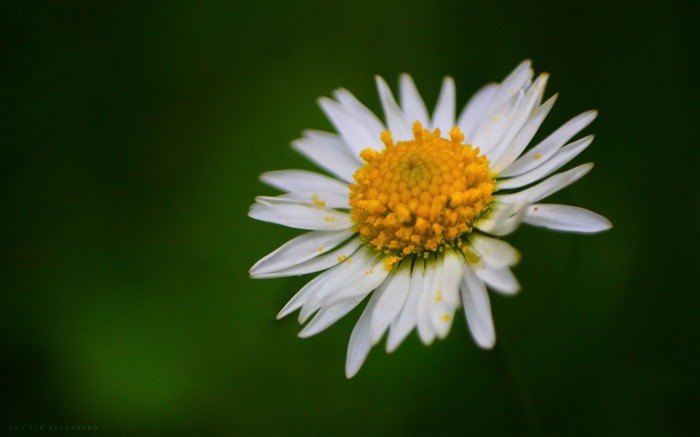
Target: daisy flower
416,207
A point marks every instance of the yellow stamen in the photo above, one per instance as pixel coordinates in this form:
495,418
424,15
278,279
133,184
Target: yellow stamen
418,196
390,261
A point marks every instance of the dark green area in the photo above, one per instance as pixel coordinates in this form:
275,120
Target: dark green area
132,135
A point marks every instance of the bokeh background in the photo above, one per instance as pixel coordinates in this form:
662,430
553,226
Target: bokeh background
133,134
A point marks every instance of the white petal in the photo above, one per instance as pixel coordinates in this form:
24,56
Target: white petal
360,340
453,268
549,146
328,315
504,219
473,112
477,309
520,115
518,79
433,273
391,302
318,198
411,101
524,136
329,152
563,156
406,321
319,284
495,252
566,218
517,119
299,249
332,311
399,126
446,293
500,279
304,181
547,187
360,284
301,216
347,273
492,129
355,135
444,114
360,112
321,262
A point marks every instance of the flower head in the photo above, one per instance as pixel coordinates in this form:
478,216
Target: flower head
415,212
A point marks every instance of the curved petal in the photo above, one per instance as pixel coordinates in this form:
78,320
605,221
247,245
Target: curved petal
360,339
329,152
347,276
299,249
474,110
518,79
317,198
318,263
566,218
495,252
444,295
492,129
399,126
301,216
504,219
444,114
524,136
547,187
516,120
500,279
360,284
404,324
360,112
477,309
353,132
433,274
328,315
411,102
304,181
549,146
561,158
391,302
320,284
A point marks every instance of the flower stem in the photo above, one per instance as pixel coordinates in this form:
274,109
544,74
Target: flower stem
519,397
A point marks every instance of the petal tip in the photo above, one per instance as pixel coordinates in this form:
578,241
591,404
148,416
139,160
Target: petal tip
252,271
351,372
592,114
487,344
380,81
304,333
604,225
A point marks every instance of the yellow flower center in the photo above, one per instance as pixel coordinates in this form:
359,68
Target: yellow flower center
418,196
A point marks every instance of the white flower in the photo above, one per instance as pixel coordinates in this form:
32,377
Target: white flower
414,216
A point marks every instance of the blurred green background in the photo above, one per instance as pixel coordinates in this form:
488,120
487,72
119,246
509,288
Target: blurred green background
133,134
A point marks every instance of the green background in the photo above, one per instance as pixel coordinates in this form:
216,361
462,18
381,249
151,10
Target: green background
133,134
